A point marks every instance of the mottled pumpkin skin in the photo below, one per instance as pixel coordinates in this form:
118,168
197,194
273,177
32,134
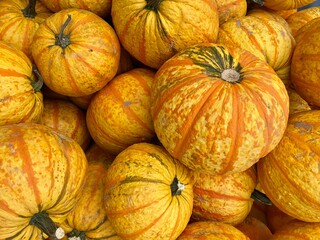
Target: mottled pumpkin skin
18,29
84,61
213,125
223,198
19,101
305,64
153,31
40,170
286,4
148,194
119,114
67,118
296,230
289,174
229,9
269,40
210,230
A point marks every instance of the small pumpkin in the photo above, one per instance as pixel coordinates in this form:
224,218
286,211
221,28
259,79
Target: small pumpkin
76,52
42,174
254,229
21,99
218,109
148,194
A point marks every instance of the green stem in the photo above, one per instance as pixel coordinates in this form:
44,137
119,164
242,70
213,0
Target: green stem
61,39
176,187
261,197
37,85
153,5
30,10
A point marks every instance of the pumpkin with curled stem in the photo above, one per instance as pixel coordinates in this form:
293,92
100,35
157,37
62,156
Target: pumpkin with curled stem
218,109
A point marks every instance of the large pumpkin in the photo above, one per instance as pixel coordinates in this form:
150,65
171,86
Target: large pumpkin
76,52
152,31
41,176
20,95
148,194
218,109
289,174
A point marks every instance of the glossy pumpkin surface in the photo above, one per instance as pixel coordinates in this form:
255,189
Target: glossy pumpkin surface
20,96
218,109
76,52
289,174
41,172
148,194
152,31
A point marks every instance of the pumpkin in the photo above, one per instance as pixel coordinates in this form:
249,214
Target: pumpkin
259,211
299,19
148,194
67,118
218,109
289,174
82,102
152,31
101,8
229,9
269,40
76,52
254,229
126,62
42,174
223,198
296,230
88,220
20,96
210,230
276,218
19,20
296,102
305,64
119,114
285,4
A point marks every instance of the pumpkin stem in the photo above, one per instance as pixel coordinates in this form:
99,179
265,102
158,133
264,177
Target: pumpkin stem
30,10
176,187
261,197
37,85
61,39
153,5
76,235
230,75
42,221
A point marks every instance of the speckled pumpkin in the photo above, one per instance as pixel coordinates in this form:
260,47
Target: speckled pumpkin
20,97
148,194
223,198
152,31
76,52
289,174
218,109
119,114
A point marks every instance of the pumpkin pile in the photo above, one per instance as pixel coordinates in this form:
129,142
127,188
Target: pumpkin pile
159,120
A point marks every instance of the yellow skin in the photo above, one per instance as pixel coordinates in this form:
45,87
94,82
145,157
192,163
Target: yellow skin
19,102
86,63
289,174
154,35
40,170
139,200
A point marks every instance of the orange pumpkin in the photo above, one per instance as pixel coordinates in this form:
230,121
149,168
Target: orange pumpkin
67,118
148,194
19,20
289,174
152,31
20,95
210,230
229,9
223,198
119,114
82,102
254,229
76,52
42,174
296,102
305,64
218,109
276,218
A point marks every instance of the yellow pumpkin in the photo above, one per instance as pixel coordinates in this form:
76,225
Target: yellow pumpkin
229,9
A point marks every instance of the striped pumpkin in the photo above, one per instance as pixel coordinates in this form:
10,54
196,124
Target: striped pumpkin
119,114
76,52
20,96
218,109
67,118
148,194
41,176
19,20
